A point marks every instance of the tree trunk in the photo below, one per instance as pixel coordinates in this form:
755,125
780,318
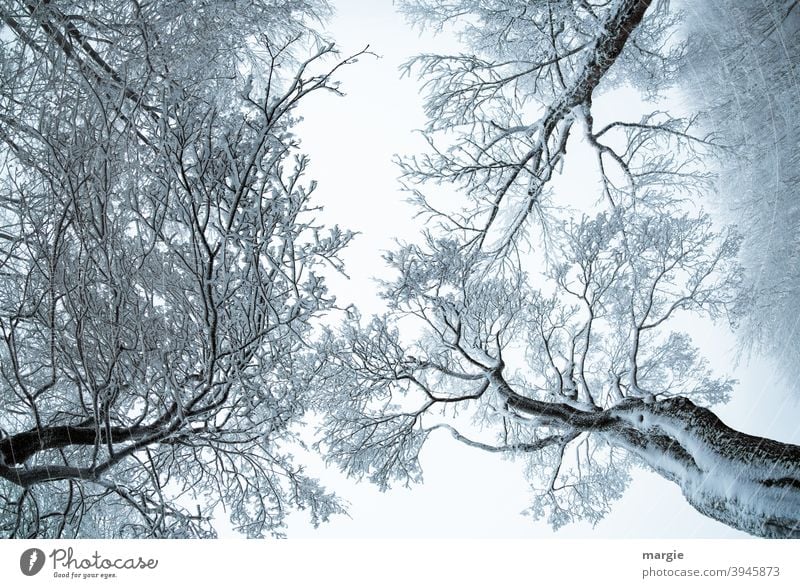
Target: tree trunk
746,482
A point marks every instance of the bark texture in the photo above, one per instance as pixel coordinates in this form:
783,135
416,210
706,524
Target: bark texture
747,482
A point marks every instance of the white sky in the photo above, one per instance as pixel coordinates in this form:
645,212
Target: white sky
466,492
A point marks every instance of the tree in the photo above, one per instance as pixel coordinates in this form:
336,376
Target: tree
551,328
758,45
161,265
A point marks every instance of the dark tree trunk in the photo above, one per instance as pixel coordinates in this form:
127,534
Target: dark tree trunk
747,482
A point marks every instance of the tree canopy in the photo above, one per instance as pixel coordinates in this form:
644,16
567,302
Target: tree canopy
540,324
166,324
161,265
757,45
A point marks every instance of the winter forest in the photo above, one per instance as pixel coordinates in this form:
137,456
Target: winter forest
598,193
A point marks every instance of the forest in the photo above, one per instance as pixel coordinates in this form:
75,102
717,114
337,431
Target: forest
170,328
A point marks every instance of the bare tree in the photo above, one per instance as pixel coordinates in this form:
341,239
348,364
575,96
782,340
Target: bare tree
527,328
744,76
160,265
